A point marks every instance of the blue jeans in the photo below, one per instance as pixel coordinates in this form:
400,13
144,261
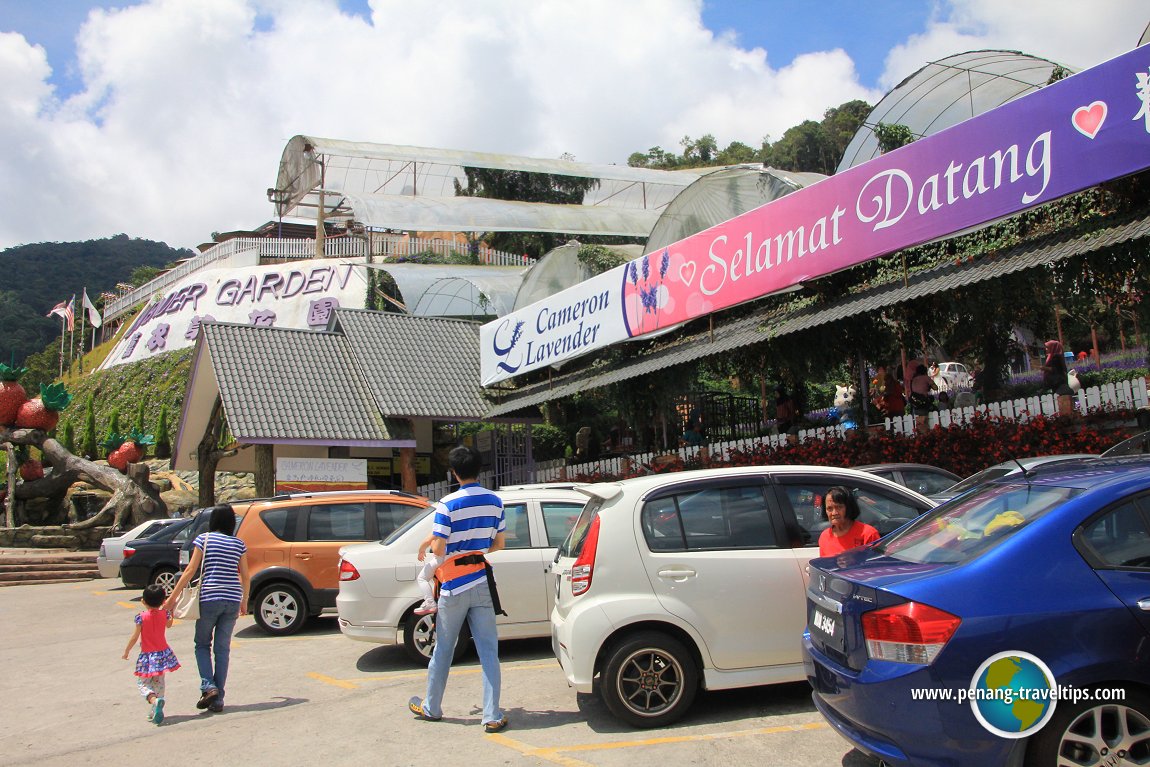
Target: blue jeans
474,606
214,627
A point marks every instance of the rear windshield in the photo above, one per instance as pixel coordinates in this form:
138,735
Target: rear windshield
399,531
964,529
573,543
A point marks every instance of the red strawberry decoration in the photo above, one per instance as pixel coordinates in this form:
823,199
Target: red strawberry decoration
12,394
118,459
44,412
31,470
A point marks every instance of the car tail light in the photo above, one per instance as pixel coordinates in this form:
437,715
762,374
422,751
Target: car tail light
347,571
584,567
128,551
908,633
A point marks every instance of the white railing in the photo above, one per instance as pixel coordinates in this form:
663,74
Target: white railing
1126,394
386,246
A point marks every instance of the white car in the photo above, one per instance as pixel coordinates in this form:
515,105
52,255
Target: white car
954,375
378,592
112,549
671,582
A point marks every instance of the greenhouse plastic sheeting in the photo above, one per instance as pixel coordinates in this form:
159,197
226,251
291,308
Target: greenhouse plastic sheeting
948,91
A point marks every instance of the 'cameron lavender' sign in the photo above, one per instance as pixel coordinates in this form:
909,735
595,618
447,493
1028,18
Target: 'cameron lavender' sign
1077,133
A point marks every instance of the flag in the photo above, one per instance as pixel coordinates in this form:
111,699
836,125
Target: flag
64,310
93,316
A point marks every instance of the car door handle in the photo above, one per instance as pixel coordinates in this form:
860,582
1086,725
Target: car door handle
303,555
677,573
1144,604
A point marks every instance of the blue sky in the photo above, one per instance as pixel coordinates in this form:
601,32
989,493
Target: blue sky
166,118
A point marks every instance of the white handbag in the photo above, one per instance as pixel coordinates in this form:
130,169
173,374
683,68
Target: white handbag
188,604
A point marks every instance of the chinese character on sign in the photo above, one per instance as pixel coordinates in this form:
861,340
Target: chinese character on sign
319,312
262,318
1144,94
159,337
131,347
194,326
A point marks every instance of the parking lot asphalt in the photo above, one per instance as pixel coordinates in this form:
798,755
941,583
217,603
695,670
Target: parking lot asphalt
318,697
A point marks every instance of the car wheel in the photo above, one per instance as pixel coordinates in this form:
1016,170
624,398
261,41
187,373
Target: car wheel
1095,733
419,638
165,578
281,609
649,680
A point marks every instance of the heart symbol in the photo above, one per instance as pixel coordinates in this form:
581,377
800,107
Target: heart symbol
1088,120
687,272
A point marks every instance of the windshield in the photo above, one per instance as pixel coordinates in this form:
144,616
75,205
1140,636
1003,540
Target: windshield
573,543
974,480
966,528
399,531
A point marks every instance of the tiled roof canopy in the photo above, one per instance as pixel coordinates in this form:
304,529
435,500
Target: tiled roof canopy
282,385
416,366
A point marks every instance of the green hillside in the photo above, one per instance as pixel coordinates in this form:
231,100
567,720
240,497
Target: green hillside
39,276
157,381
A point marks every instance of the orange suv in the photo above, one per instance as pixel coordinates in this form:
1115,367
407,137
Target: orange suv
293,548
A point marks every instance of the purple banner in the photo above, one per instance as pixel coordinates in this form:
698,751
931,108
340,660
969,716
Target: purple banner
1090,128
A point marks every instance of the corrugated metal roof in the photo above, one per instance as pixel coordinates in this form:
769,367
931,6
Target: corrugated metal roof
416,366
283,384
754,329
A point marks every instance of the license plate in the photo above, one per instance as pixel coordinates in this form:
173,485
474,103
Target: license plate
827,628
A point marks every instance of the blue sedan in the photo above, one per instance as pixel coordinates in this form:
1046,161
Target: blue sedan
1008,627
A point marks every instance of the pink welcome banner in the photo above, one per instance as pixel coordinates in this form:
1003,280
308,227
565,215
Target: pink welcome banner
1079,132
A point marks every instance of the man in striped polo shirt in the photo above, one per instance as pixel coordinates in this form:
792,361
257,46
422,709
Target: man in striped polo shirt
468,522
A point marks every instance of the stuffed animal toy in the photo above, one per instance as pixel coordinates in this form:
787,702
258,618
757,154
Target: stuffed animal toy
845,405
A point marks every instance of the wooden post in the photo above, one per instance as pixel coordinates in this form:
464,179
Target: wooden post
1058,323
1095,351
408,482
265,471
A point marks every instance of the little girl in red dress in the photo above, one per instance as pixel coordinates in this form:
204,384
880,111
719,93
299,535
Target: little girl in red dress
156,658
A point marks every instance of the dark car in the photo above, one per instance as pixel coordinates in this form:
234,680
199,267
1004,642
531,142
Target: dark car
922,478
1007,627
155,559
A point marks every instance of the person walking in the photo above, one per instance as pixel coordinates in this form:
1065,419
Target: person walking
156,659
223,599
468,524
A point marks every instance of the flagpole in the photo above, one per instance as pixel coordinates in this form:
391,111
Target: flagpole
63,332
83,319
72,333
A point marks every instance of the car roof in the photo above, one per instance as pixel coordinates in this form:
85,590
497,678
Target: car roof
651,481
523,493
900,466
331,495
1090,474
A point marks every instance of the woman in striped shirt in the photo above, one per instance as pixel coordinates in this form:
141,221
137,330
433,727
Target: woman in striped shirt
223,599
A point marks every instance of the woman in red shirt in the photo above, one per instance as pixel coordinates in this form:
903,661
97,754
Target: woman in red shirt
846,532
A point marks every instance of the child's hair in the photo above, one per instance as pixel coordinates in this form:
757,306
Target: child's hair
154,595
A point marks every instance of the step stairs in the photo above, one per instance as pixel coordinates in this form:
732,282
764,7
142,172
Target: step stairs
23,567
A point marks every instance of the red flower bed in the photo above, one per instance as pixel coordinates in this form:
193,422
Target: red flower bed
963,449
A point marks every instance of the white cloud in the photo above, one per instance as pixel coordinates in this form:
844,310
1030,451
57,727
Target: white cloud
1069,32
186,106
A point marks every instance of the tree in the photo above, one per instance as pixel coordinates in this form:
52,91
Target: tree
523,186
892,137
89,446
163,439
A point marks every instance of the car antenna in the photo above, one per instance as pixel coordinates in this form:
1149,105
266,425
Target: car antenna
1026,473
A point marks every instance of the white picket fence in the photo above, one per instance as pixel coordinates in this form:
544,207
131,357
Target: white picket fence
1125,394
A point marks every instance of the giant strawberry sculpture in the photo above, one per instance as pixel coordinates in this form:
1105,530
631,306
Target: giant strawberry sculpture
12,394
44,412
